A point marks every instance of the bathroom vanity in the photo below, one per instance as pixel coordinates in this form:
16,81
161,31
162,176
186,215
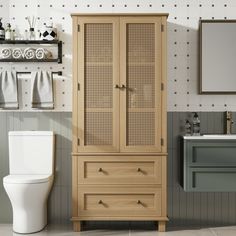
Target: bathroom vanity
209,163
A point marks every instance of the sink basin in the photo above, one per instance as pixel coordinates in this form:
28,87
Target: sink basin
212,136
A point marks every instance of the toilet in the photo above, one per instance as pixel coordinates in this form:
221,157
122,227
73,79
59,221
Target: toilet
31,165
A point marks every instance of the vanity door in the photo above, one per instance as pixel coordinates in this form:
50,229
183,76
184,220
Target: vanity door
98,73
140,74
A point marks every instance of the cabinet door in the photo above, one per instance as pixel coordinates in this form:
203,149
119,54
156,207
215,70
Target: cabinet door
140,68
98,72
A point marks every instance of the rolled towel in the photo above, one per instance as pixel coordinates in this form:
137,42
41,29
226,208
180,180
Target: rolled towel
17,53
6,53
42,53
29,53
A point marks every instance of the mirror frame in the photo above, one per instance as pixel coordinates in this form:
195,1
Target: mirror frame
200,57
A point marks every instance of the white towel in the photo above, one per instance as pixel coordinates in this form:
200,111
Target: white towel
17,53
6,53
29,53
42,53
8,90
42,90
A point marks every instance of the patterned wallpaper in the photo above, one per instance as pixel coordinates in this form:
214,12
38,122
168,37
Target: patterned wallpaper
183,22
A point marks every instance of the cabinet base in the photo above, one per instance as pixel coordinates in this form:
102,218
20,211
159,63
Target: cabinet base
77,226
161,226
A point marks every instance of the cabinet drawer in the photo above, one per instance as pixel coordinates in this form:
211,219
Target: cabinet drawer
211,180
119,170
211,153
119,201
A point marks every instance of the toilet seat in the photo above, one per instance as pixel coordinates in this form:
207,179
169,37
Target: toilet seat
26,179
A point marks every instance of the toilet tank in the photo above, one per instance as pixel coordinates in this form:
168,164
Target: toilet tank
31,152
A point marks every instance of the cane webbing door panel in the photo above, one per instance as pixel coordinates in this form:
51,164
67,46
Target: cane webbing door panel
140,68
98,100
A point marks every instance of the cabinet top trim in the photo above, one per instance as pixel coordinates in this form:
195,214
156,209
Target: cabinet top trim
120,14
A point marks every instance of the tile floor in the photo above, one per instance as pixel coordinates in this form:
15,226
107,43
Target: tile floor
128,230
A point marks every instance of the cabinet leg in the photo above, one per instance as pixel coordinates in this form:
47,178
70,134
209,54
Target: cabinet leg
161,226
77,226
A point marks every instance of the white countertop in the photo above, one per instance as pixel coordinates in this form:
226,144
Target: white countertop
212,136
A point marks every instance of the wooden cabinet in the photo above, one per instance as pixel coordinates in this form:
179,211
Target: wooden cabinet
119,117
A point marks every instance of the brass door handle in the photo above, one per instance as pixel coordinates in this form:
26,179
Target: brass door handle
117,86
123,86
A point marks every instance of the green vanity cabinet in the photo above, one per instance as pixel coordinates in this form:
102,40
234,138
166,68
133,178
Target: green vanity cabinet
209,164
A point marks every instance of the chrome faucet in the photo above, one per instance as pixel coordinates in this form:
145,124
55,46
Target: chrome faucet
229,122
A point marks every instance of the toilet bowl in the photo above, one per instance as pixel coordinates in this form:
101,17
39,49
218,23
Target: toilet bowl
30,180
28,195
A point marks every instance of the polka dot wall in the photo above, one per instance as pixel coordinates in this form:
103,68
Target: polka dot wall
183,55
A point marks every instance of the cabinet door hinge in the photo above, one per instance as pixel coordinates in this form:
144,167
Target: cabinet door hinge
78,28
78,86
162,86
78,142
162,142
162,28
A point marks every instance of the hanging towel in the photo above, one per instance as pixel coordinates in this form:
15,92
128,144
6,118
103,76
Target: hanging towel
8,90
42,90
29,53
42,53
17,53
6,53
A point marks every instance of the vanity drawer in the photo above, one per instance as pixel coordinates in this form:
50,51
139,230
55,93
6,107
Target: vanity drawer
211,152
119,201
211,180
119,170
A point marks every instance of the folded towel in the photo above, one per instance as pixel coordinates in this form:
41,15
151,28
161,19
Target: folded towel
6,53
42,53
29,53
42,90
17,53
8,90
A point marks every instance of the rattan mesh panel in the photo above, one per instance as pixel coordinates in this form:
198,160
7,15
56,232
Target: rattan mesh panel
141,128
98,65
98,42
98,128
141,67
98,86
98,83
141,42
141,84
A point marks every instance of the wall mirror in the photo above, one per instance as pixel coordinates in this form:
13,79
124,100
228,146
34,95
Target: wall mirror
217,56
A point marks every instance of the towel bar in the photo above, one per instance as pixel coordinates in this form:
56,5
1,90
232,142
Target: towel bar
28,72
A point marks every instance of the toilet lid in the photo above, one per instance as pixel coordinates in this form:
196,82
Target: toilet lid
26,179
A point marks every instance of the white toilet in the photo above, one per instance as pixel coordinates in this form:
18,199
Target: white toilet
31,156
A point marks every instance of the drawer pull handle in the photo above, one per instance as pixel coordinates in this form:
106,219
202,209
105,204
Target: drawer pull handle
100,202
139,202
100,170
139,170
